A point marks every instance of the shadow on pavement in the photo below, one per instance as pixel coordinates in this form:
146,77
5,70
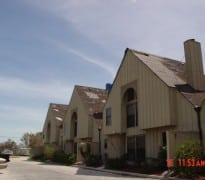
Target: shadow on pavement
82,171
97,172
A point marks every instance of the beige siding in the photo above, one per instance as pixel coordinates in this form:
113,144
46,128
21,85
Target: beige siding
153,141
127,74
114,102
95,134
187,127
153,97
115,146
154,100
54,128
186,115
76,105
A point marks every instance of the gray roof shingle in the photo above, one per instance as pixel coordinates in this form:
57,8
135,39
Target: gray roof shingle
94,99
172,73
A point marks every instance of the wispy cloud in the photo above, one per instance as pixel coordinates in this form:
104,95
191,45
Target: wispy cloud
21,113
158,27
100,63
54,90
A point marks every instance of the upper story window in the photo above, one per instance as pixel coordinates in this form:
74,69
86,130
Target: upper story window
108,117
105,143
131,108
164,139
74,124
130,94
132,115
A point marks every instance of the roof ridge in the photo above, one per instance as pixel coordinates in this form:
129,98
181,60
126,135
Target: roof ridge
81,86
150,54
59,104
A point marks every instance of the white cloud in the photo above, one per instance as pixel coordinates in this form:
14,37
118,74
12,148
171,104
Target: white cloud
55,90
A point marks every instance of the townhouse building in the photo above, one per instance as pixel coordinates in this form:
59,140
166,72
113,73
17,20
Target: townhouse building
53,125
155,101
80,126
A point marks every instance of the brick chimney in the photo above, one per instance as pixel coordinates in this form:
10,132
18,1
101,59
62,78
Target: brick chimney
194,64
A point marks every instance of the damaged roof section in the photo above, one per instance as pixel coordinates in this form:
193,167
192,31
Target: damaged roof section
58,111
93,99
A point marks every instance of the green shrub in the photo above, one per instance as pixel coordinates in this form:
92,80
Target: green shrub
71,158
183,165
116,163
61,157
93,160
49,151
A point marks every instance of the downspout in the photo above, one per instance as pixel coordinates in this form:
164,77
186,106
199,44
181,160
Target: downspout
198,111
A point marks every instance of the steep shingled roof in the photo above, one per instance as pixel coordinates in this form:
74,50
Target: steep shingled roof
172,73
94,99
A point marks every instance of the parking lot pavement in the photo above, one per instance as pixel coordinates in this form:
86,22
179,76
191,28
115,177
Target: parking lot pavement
23,169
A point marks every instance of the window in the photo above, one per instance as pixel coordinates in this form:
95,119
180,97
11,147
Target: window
164,139
136,148
105,143
108,116
130,103
74,121
75,128
132,115
75,148
131,148
140,148
130,94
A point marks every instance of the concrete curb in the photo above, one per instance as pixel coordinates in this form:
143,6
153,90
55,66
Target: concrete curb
123,173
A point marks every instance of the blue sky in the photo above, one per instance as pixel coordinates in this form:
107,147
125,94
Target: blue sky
46,47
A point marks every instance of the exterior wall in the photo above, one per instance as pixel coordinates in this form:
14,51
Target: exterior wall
115,146
187,127
153,97
54,130
68,147
153,142
155,101
87,129
82,118
186,115
46,138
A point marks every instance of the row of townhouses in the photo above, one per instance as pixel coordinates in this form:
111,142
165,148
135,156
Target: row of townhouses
153,101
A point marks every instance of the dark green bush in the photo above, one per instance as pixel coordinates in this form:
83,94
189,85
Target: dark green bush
116,163
93,160
61,157
38,157
71,158
183,165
